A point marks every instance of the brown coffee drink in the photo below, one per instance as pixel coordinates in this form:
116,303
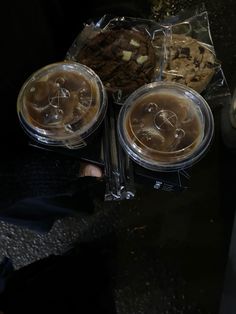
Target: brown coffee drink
62,103
165,127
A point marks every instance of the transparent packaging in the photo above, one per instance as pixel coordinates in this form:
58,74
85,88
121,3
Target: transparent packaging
121,51
180,49
62,104
189,55
184,54
165,126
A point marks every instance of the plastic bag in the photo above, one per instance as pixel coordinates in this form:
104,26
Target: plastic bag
120,51
184,53
196,65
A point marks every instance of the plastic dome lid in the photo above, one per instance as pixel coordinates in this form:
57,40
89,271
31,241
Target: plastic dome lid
62,104
165,126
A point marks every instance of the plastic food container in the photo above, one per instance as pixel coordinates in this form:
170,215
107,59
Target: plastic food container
165,126
62,104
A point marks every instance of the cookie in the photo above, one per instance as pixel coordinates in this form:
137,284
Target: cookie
188,62
123,59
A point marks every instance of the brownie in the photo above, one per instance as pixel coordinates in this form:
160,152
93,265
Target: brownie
123,59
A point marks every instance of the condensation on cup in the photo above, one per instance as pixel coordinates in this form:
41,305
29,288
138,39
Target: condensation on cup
62,104
165,126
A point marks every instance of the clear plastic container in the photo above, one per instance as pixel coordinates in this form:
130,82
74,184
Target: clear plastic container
165,126
62,104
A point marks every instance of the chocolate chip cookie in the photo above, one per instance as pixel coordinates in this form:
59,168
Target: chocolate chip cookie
124,59
189,62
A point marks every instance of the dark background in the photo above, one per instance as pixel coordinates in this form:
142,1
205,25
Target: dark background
167,251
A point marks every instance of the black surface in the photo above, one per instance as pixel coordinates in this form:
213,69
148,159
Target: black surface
92,152
228,302
167,181
169,249
74,283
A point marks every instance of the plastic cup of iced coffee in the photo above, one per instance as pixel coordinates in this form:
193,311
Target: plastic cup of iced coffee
165,126
62,104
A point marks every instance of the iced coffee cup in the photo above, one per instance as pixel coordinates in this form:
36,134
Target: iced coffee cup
62,104
165,126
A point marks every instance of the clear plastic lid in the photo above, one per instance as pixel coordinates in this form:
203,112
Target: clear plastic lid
165,126
62,104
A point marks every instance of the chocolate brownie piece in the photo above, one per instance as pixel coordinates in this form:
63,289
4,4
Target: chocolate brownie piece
188,62
123,59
